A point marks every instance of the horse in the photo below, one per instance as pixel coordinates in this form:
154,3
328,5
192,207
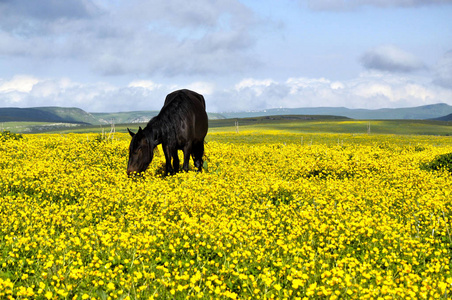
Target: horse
181,124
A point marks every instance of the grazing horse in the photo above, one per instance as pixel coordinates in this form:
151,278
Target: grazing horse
181,125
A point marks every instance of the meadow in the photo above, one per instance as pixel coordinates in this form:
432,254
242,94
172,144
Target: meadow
286,123
274,215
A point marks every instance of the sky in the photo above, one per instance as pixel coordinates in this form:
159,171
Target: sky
242,55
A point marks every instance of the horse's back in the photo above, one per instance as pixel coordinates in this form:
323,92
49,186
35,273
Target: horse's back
191,108
191,95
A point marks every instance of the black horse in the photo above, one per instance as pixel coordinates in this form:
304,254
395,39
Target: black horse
181,125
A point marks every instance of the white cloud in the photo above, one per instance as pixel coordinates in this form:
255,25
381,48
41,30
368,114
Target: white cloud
19,83
391,58
337,85
204,88
256,85
377,90
250,94
146,84
369,90
373,90
299,84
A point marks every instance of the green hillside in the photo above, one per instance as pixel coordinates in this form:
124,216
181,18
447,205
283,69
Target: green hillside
125,117
71,114
13,114
47,114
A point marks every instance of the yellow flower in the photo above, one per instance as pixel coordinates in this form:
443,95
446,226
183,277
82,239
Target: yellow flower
48,295
325,214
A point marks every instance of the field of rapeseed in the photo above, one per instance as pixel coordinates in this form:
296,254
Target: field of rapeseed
273,215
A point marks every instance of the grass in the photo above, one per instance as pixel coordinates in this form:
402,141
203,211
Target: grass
289,124
414,127
39,127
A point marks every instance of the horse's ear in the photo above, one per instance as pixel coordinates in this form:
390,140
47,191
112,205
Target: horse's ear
130,132
139,129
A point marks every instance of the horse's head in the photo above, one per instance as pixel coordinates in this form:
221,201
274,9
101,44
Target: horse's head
141,151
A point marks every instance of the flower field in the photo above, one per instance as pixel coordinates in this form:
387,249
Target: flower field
273,215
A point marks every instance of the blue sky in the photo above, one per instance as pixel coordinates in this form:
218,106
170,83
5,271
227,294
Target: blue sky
106,56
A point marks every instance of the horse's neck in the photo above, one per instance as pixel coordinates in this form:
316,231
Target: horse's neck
154,131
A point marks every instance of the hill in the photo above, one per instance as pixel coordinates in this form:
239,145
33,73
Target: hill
273,120
71,114
79,116
47,114
444,118
408,113
125,117
135,117
13,114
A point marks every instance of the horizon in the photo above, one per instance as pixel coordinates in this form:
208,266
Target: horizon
242,55
247,111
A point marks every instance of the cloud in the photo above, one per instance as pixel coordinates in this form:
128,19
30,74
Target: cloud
443,71
204,88
146,84
169,38
177,13
392,59
29,91
257,86
19,83
48,9
369,90
353,4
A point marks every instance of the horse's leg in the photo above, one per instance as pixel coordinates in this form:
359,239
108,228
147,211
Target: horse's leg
175,161
168,168
187,150
198,152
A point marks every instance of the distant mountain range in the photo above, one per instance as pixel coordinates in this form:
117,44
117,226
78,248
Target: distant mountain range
445,118
420,112
441,112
